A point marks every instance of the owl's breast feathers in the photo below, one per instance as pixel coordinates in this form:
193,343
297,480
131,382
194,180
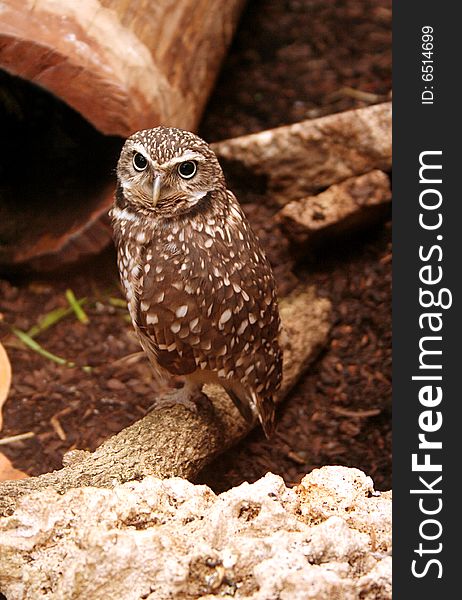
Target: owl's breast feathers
201,293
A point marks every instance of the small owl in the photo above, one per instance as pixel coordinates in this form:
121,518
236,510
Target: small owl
199,288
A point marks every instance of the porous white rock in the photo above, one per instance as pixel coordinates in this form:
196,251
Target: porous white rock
349,494
327,538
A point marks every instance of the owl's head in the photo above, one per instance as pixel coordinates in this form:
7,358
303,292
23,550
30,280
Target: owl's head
167,170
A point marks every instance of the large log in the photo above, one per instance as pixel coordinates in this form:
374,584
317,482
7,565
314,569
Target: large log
123,65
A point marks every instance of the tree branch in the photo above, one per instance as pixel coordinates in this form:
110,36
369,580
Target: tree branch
353,204
175,441
303,158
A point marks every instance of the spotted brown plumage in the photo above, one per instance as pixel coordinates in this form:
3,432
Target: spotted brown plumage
200,290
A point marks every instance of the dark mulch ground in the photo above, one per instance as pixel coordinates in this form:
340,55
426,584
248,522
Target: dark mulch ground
290,60
300,59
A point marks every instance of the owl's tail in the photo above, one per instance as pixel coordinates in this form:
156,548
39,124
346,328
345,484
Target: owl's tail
266,414
251,405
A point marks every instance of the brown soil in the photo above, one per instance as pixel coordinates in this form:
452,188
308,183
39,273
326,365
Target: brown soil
290,60
300,59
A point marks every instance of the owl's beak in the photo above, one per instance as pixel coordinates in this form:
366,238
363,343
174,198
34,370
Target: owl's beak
156,185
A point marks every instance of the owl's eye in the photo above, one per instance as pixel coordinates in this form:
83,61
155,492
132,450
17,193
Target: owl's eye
139,162
187,169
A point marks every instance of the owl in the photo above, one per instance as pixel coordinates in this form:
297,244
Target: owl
200,291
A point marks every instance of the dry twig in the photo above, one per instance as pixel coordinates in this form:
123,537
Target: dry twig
16,438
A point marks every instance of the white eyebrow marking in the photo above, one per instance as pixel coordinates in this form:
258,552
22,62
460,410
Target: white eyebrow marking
188,155
138,147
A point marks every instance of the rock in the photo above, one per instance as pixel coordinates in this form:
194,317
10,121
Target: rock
157,539
301,159
349,494
377,583
352,204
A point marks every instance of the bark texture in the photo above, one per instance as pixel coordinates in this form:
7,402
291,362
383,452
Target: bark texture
352,204
123,65
301,159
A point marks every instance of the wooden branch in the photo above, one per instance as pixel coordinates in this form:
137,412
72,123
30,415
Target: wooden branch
352,204
303,158
123,65
176,441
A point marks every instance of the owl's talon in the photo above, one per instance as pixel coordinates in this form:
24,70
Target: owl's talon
185,396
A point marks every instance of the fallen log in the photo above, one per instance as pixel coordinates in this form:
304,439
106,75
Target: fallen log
176,441
122,65
350,205
301,159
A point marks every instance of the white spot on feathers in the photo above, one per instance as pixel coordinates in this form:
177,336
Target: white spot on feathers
152,319
175,327
181,311
194,323
225,316
242,327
